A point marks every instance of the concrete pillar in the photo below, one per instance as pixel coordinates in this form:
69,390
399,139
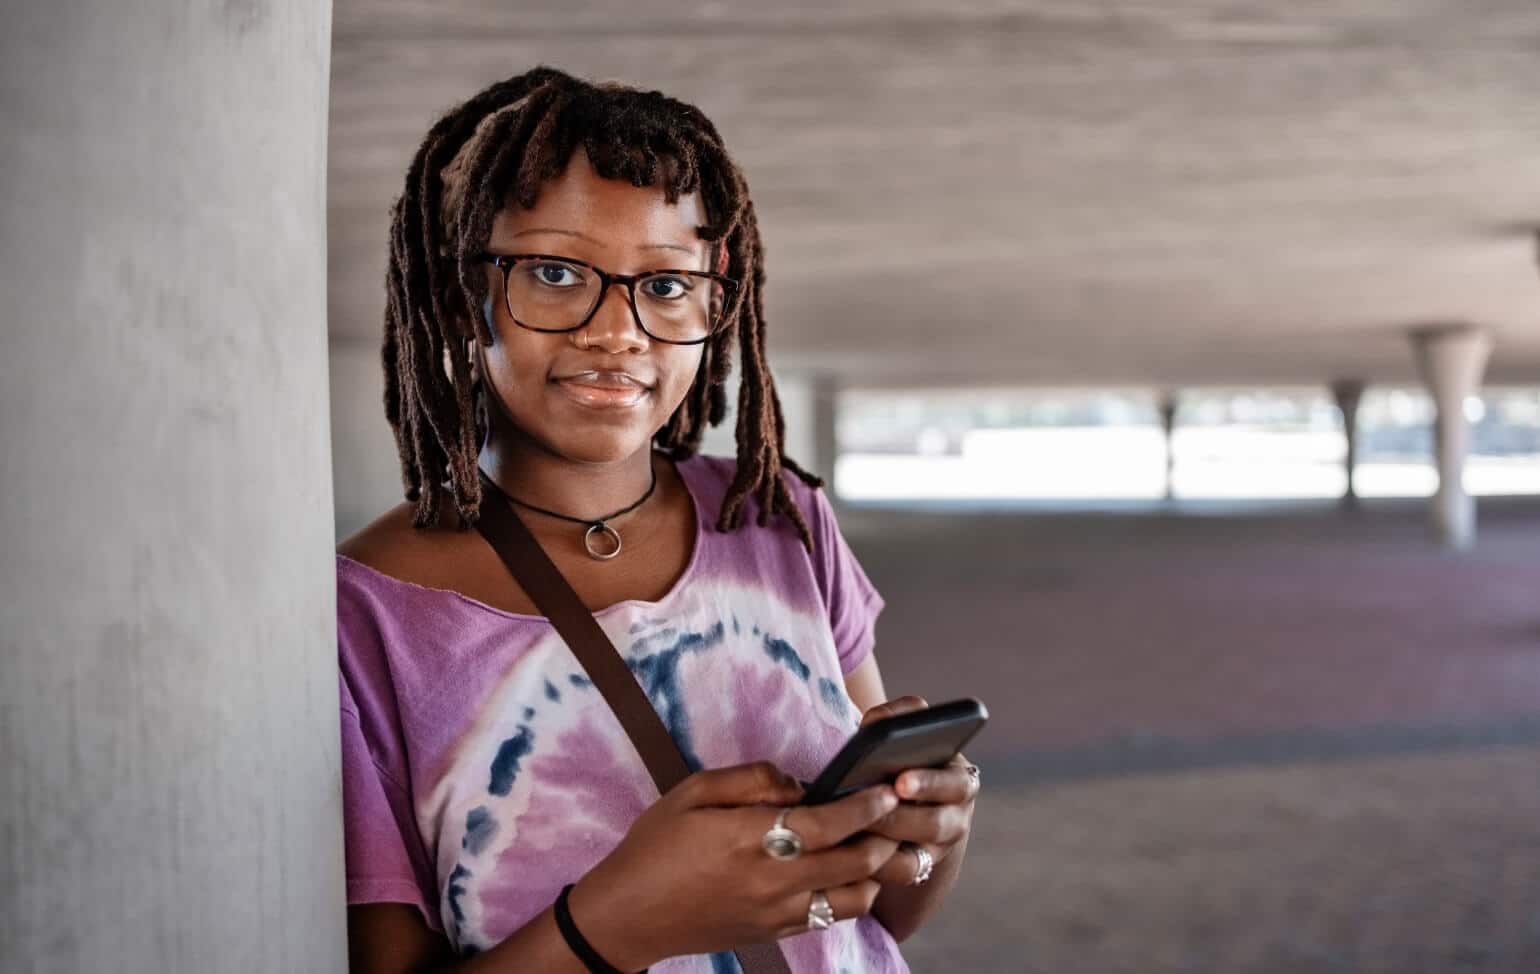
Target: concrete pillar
1452,360
1349,393
1167,406
169,789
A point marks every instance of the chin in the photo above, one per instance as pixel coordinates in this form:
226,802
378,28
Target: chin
601,446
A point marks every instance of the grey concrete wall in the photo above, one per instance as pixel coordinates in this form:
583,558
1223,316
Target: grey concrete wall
169,781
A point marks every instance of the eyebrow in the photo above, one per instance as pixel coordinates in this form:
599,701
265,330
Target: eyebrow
584,237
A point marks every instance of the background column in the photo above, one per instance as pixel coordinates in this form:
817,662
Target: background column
169,782
825,423
1452,360
1349,393
809,403
1167,406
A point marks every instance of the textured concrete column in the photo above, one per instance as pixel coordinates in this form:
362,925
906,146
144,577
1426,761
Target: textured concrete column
1349,393
169,782
1452,360
1167,406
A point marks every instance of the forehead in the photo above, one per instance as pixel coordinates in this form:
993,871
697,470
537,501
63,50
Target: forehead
612,211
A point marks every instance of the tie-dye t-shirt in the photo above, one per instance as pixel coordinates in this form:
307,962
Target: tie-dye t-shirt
483,771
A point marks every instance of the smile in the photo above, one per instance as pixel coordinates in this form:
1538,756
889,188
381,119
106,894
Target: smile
603,390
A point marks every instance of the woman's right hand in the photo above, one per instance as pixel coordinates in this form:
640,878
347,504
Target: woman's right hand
691,876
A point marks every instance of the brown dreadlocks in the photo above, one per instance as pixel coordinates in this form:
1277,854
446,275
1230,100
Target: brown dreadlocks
497,149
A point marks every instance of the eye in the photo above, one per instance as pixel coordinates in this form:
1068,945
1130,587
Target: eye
552,274
668,287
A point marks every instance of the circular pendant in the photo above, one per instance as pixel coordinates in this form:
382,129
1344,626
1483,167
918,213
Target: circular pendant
602,551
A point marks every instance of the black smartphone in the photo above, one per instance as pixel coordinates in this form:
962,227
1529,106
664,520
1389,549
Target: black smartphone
880,751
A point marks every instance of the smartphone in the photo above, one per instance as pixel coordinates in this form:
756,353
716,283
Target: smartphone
879,752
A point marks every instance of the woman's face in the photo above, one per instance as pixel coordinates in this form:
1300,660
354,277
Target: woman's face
603,402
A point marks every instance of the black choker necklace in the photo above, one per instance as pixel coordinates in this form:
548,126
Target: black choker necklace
597,528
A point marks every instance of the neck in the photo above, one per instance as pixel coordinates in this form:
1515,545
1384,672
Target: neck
534,475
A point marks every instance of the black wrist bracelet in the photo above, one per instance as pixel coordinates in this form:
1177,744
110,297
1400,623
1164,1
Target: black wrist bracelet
584,950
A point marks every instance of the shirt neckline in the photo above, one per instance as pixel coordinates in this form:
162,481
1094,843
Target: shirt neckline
685,471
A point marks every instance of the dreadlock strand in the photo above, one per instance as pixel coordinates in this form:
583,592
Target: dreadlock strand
748,454
468,497
752,444
536,160
473,220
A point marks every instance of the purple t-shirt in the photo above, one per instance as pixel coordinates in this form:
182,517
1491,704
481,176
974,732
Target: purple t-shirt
482,771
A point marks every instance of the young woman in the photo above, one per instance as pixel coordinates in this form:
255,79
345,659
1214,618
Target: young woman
572,268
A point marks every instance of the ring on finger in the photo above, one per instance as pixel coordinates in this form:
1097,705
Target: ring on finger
924,863
820,914
781,842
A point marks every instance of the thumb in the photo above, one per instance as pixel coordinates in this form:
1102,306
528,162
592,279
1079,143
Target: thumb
761,783
893,708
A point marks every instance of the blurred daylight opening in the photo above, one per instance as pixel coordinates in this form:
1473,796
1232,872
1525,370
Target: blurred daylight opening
1228,444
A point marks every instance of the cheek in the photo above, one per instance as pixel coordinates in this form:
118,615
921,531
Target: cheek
677,370
515,371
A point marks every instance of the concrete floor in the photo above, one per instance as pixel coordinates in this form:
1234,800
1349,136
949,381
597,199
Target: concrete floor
1230,740
1394,865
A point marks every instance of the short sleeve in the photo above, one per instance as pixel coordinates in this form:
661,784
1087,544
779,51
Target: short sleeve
377,819
853,601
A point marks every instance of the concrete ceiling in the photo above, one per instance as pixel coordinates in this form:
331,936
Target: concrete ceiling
1044,192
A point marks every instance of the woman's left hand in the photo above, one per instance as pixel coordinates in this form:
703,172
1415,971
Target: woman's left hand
936,812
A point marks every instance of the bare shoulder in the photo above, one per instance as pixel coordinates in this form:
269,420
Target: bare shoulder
392,545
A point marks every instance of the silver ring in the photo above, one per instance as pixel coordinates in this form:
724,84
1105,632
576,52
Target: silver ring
820,915
602,530
780,842
924,863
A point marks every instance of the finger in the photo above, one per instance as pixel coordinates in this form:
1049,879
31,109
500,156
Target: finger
823,826
932,824
848,902
761,783
902,868
893,708
849,863
951,785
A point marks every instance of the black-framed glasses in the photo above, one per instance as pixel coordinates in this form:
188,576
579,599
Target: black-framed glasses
549,293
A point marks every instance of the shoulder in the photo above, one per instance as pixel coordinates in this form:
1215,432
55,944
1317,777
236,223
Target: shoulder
389,582
392,578
391,545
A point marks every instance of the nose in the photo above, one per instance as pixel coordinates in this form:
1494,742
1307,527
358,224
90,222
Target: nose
613,326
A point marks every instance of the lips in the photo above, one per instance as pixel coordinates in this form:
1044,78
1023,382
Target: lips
603,389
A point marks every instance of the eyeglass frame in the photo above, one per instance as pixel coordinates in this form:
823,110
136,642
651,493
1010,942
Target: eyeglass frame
730,288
